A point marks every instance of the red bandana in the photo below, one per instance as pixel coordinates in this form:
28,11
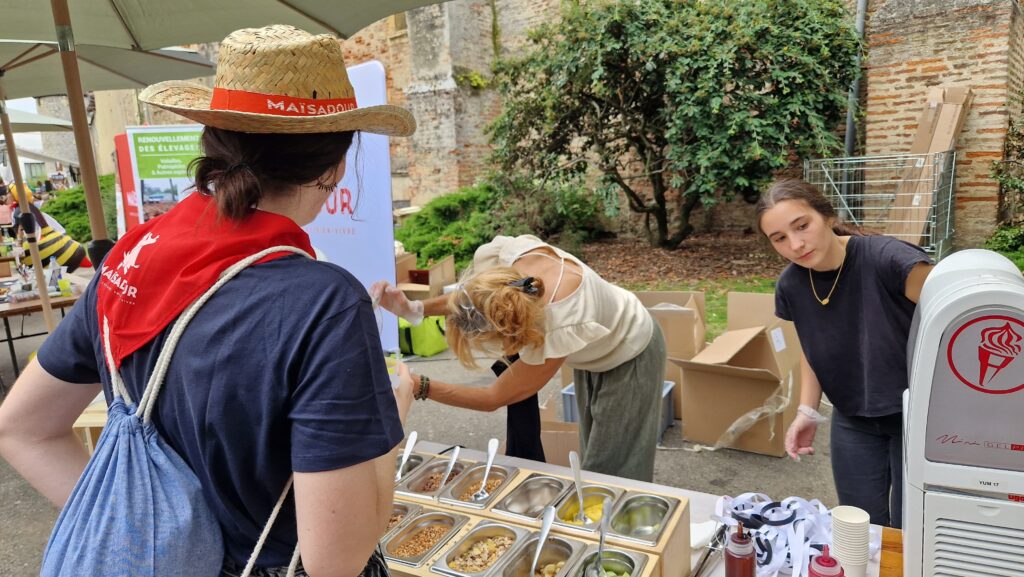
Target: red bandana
159,268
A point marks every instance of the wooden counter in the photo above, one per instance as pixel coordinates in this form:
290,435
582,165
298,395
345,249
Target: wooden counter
892,553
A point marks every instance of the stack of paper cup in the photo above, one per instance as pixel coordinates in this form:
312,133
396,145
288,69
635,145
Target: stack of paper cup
850,539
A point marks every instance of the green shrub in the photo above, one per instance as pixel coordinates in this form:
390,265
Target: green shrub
459,222
455,223
1006,239
68,207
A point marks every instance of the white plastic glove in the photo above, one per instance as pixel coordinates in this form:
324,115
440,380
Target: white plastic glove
800,436
393,300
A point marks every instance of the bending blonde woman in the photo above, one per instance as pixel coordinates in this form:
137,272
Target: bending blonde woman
527,298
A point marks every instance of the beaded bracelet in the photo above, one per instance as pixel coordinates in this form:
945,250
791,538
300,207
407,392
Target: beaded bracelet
424,390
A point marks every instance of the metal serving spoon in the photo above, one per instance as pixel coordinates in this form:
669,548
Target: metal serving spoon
447,472
574,462
405,455
545,528
596,569
492,450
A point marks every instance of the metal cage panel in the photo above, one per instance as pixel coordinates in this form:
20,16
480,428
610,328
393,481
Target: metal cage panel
908,196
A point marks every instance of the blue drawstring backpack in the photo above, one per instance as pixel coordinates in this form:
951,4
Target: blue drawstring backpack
138,510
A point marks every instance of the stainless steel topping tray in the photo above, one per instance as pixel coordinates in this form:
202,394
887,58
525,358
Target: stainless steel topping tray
641,517
614,559
557,548
592,494
528,500
411,486
453,521
414,462
484,530
407,510
475,474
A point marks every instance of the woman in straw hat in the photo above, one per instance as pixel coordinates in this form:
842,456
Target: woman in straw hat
541,308
280,374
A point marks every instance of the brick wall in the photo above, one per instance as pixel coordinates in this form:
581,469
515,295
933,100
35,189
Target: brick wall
388,44
915,44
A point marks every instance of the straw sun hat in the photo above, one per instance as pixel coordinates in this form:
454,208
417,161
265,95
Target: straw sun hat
279,79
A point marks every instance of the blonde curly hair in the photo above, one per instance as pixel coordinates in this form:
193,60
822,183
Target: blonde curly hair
495,309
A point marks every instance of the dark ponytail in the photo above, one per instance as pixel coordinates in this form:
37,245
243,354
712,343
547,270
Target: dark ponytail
239,169
797,189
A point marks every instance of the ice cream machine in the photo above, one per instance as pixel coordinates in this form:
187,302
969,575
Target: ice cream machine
964,422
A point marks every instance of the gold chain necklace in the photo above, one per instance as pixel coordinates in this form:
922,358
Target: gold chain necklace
825,301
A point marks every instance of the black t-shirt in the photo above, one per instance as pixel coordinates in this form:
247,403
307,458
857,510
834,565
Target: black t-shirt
857,343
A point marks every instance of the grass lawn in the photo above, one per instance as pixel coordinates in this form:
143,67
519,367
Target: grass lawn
715,292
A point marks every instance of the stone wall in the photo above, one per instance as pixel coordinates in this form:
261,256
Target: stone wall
58,144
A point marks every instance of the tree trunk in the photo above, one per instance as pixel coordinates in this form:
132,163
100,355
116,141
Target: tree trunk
659,208
686,206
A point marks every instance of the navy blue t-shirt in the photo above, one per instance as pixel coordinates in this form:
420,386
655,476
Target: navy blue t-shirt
857,344
282,370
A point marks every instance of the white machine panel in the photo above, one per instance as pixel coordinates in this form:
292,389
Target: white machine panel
976,413
963,475
973,537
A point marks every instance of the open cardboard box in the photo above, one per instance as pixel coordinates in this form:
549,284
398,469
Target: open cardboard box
557,436
420,284
757,356
680,314
684,330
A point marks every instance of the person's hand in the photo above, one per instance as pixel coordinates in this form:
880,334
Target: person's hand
800,436
393,300
407,384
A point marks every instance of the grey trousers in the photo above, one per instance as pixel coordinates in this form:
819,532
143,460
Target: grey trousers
619,413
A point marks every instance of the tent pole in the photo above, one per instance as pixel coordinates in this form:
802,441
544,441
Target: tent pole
100,244
25,201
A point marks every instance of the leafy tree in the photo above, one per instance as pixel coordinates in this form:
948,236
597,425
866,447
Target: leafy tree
676,102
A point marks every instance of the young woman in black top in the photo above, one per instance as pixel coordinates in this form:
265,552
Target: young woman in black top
852,298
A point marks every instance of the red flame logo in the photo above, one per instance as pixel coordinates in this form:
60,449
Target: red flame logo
997,342
999,346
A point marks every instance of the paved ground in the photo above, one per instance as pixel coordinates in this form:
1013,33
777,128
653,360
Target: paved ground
26,518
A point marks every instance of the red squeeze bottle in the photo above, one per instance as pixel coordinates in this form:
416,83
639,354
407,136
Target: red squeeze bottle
825,565
740,560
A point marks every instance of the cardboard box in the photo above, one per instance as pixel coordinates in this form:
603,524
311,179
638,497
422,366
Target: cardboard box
940,122
758,356
437,276
403,264
681,316
557,437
